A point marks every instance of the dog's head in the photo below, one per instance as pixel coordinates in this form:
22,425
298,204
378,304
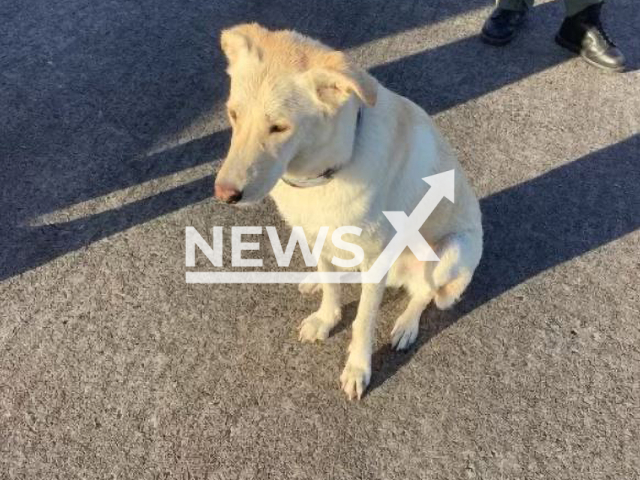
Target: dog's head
290,103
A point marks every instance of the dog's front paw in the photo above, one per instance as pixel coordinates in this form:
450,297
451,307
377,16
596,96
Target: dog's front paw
354,380
314,328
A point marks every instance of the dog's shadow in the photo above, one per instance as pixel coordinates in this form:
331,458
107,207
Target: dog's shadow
530,228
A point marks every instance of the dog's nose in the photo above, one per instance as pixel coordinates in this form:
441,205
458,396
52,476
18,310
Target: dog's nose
227,193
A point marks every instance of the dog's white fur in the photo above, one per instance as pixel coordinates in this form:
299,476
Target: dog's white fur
293,107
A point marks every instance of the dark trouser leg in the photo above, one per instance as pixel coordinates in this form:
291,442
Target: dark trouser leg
517,5
574,6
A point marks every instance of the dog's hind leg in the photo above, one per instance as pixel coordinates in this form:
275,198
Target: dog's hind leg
459,256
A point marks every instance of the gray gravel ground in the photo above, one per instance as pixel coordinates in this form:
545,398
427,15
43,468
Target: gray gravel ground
112,367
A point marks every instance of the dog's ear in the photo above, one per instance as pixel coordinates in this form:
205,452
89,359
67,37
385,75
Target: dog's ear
241,40
333,81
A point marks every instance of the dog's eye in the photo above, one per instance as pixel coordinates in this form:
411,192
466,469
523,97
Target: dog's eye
278,128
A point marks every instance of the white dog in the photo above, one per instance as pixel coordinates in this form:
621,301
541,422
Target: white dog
335,148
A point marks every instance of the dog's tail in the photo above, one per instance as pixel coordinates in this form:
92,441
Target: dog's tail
459,256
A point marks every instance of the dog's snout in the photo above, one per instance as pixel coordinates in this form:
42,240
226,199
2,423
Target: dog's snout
227,193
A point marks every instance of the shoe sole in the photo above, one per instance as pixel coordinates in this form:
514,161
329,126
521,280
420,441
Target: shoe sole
496,42
572,48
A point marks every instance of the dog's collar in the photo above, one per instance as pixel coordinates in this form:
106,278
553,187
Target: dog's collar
322,179
326,176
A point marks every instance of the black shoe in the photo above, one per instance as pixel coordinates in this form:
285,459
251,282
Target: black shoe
583,34
502,26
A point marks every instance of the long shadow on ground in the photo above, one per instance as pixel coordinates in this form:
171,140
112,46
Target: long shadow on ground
537,225
89,88
54,185
165,91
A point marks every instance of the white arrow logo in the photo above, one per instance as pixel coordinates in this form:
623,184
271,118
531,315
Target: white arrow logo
408,228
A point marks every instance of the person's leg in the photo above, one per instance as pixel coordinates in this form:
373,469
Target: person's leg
572,7
518,5
582,33
505,21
